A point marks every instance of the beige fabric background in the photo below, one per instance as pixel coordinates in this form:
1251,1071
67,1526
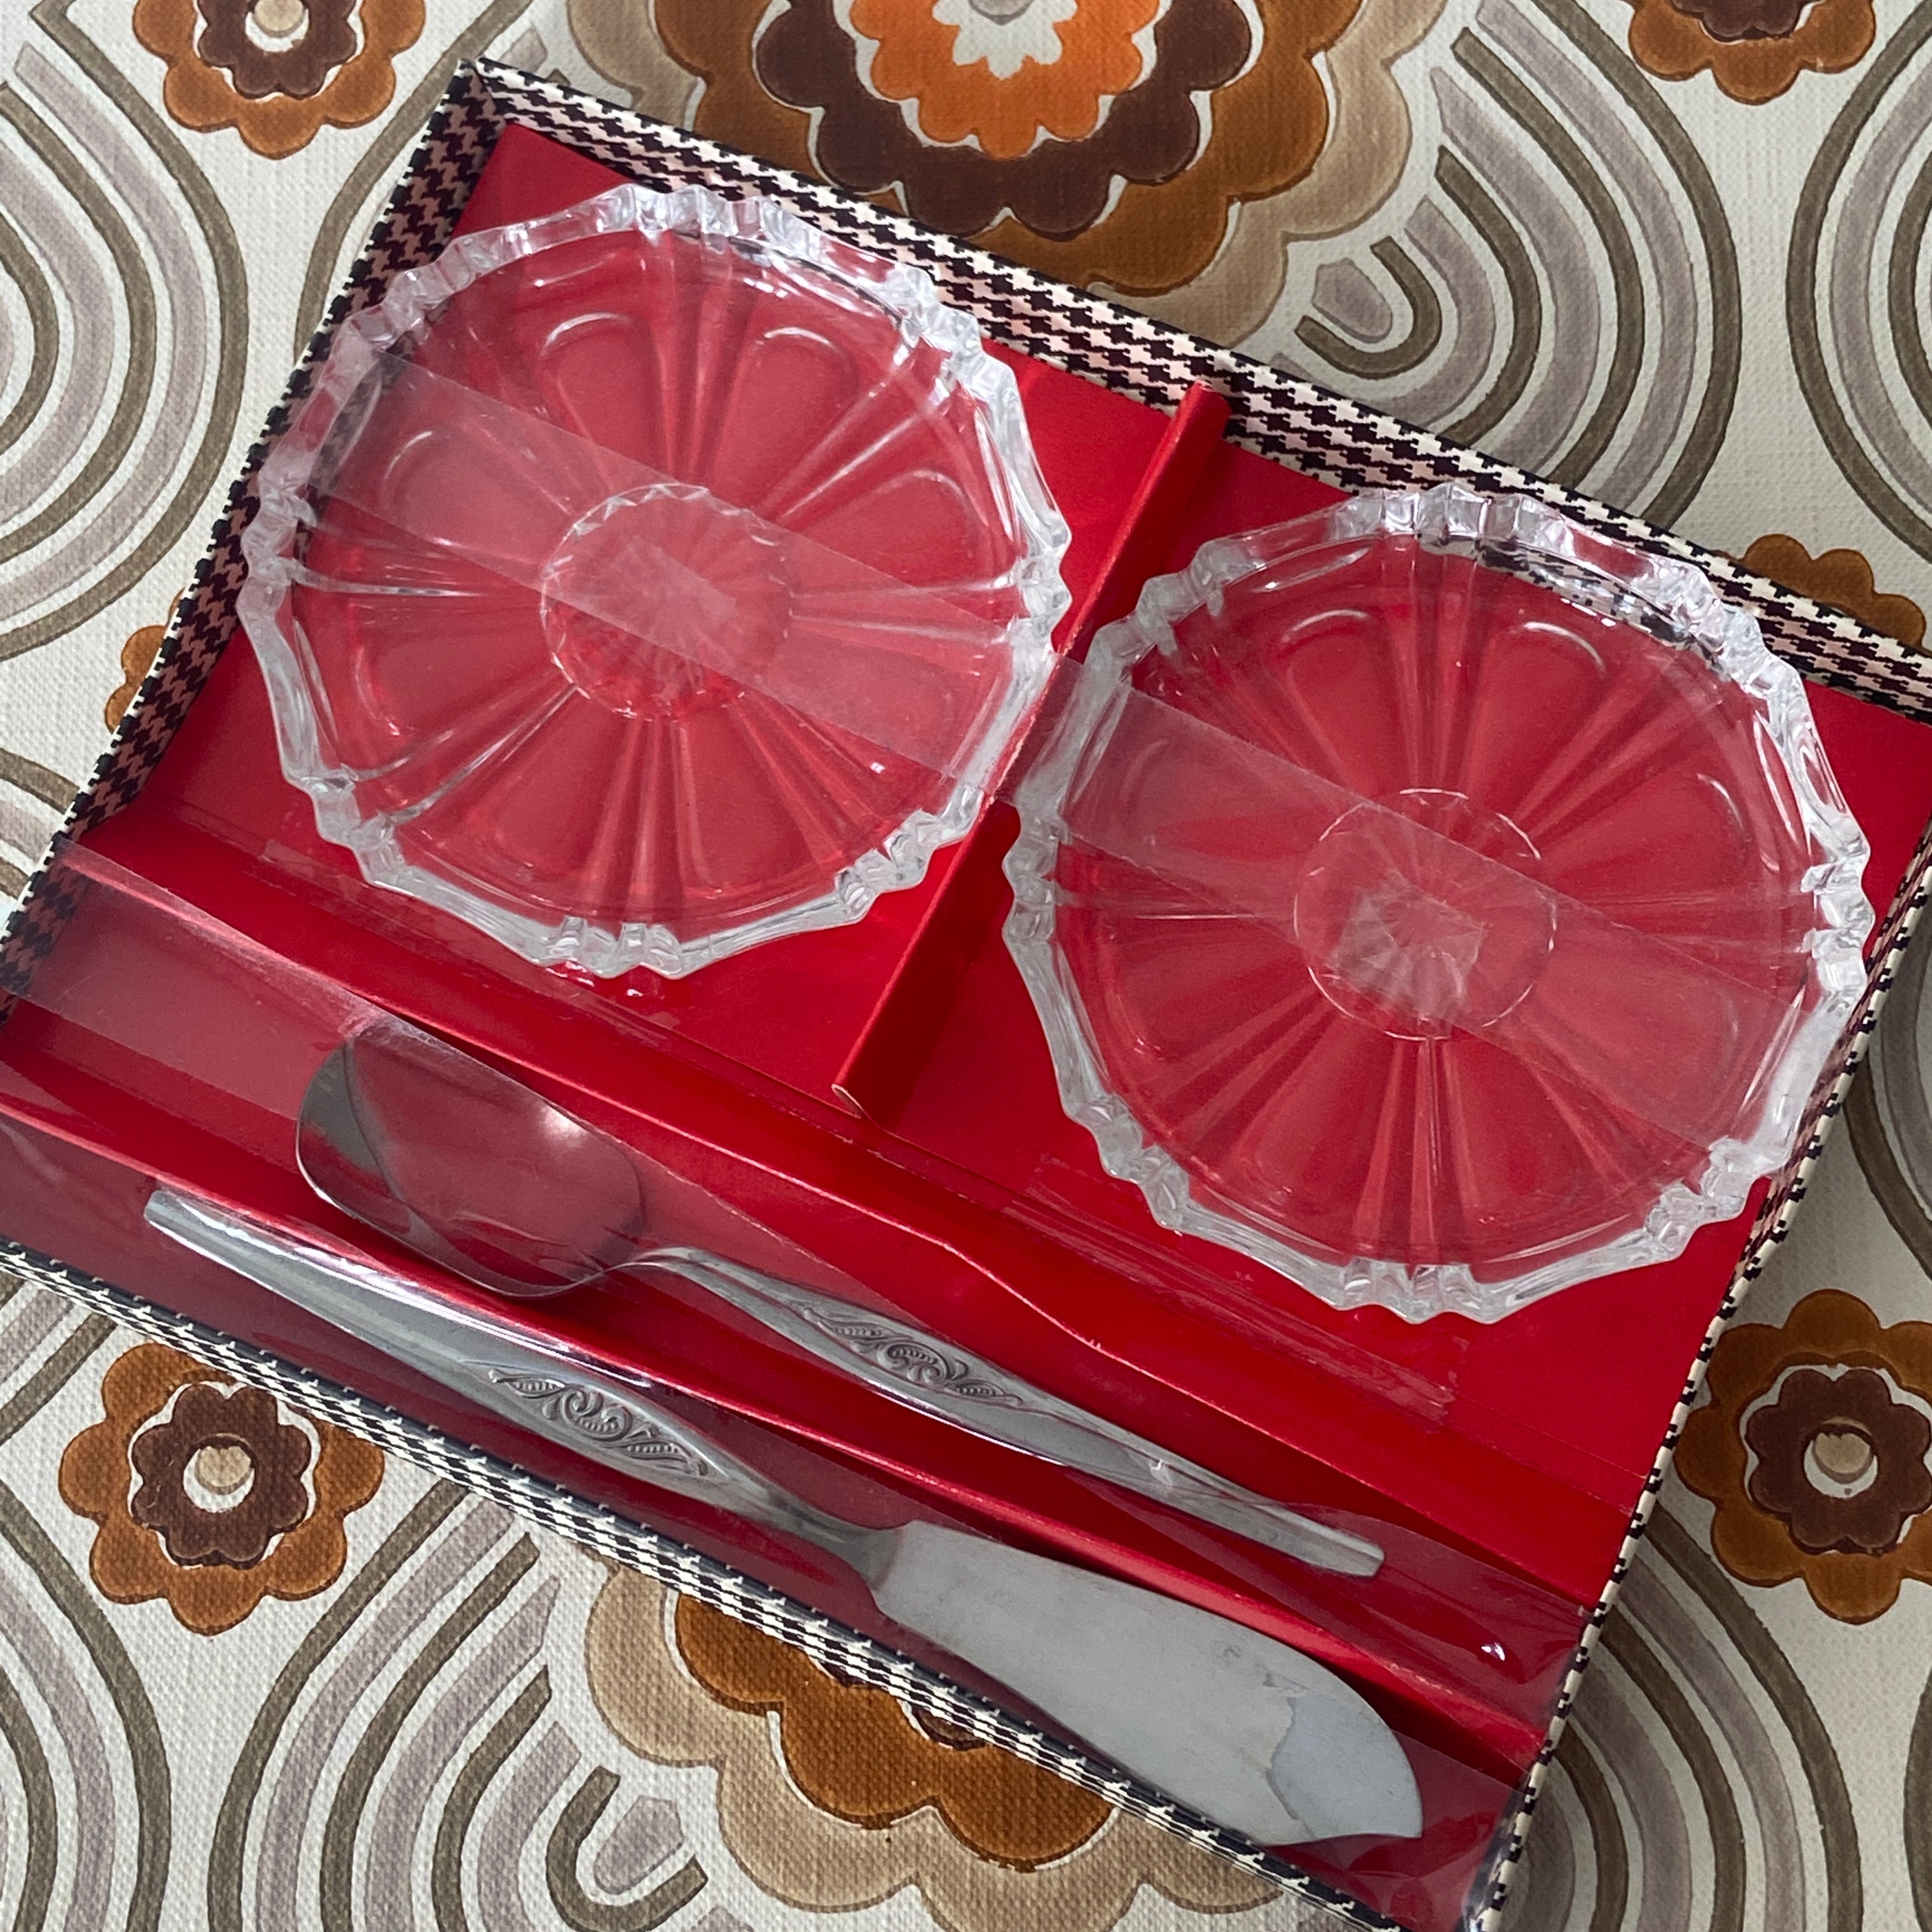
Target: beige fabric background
1672,253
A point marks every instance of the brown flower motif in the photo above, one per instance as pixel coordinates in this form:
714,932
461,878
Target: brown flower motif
296,44
1044,132
205,1495
1839,1491
244,1465
137,657
1840,1460
1744,20
1842,578
1755,48
277,71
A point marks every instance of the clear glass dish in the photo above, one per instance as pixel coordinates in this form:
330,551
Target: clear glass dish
1438,902
569,522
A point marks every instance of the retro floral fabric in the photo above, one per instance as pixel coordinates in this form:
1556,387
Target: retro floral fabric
1104,142
1673,252
1754,49
1101,142
277,71
1812,1444
211,1497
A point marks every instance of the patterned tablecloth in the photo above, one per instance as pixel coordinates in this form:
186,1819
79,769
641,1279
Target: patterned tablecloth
1673,252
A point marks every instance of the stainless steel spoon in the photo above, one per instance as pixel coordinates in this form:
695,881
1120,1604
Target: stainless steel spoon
474,1171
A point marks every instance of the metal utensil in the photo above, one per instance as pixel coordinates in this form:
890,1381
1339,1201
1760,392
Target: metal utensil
474,1171
1236,1726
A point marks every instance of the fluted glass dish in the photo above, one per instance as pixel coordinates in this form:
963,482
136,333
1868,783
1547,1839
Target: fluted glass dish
652,580
1438,902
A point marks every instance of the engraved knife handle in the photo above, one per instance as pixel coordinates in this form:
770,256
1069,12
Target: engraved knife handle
910,1366
537,1384
609,1420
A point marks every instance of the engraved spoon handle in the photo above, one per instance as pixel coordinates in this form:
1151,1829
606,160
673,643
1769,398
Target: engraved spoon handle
910,1366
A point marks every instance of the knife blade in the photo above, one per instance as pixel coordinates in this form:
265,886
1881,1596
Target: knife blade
1237,1726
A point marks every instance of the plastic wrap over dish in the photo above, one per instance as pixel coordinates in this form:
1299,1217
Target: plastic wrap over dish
1438,902
550,513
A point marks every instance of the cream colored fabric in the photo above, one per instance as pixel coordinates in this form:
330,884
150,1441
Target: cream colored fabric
1672,253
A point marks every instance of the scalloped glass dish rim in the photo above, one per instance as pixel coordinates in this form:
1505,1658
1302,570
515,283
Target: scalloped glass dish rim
1678,603
903,291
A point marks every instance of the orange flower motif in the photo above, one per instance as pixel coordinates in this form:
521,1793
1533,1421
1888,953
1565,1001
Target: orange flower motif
964,85
278,70
1813,1449
1842,578
137,657
211,1496
1755,48
855,1752
1102,141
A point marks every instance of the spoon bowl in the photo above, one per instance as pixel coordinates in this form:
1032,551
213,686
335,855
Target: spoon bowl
410,1135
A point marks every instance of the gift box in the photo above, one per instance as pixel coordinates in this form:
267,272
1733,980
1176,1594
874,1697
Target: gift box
878,1098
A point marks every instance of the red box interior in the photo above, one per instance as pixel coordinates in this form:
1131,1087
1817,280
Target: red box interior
882,1093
